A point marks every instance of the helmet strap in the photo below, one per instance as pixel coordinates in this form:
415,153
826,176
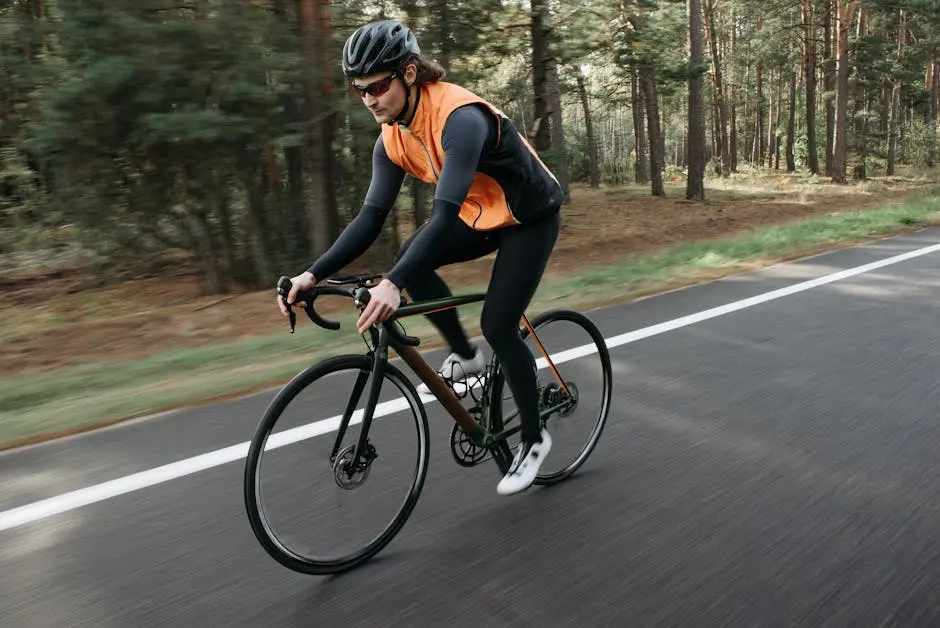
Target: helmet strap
404,110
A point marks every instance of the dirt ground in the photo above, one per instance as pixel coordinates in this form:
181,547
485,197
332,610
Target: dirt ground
47,327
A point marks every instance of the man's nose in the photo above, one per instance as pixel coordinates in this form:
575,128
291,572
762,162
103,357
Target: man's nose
370,100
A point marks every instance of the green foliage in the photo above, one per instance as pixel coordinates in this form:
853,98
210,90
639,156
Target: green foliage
154,134
147,127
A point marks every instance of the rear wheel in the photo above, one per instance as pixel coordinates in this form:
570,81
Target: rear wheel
574,384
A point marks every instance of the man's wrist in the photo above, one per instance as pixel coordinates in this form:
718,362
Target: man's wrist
391,283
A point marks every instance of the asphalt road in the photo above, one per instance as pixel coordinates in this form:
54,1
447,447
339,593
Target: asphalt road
771,462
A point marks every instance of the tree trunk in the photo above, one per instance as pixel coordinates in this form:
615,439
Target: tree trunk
695,188
809,78
295,213
716,135
651,102
772,112
829,83
216,280
657,158
884,108
845,11
256,223
541,134
733,116
548,128
934,88
860,171
934,106
642,162
220,199
594,169
862,106
746,113
928,81
315,32
757,153
558,131
791,126
894,103
297,209
723,140
444,35
250,171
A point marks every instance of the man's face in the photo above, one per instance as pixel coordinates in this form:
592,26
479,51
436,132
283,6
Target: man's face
383,93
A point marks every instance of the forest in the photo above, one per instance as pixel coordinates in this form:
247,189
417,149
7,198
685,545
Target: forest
140,135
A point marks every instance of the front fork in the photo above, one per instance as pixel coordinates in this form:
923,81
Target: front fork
363,454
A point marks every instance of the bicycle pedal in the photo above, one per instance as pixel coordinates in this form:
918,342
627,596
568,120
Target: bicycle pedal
459,388
472,382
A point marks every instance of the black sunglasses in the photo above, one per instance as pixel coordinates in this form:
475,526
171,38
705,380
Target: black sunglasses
376,88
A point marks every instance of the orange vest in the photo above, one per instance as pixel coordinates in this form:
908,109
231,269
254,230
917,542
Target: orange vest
418,150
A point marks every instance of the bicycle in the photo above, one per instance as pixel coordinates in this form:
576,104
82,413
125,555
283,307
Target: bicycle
480,432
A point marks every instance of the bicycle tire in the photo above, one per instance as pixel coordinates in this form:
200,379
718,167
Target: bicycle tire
256,516
503,453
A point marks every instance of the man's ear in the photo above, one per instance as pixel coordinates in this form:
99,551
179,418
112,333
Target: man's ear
411,74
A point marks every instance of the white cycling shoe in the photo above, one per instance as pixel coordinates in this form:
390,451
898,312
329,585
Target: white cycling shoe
525,466
460,370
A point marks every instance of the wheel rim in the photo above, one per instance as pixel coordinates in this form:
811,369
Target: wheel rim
298,504
576,430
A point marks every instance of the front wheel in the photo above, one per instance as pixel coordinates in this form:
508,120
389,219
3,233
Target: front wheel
315,507
574,386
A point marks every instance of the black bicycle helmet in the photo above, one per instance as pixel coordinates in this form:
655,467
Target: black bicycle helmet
378,47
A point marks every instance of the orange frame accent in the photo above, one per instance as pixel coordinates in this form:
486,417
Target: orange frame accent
528,325
440,309
544,353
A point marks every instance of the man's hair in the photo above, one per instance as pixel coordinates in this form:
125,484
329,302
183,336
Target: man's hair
428,71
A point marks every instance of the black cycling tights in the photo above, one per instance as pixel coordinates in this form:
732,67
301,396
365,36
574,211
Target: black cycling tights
523,254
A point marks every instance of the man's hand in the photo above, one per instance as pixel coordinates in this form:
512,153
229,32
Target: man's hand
303,281
383,302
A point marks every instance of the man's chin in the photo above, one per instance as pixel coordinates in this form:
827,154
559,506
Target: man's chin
382,117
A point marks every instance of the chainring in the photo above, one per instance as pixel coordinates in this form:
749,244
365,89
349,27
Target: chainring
466,453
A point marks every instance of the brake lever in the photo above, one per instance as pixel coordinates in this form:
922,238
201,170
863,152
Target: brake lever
293,318
283,289
362,295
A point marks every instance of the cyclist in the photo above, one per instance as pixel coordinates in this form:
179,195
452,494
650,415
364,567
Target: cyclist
493,194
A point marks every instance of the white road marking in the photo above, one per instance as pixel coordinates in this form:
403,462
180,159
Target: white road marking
121,486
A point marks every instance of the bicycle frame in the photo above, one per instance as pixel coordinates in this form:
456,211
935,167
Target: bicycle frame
483,423
383,339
